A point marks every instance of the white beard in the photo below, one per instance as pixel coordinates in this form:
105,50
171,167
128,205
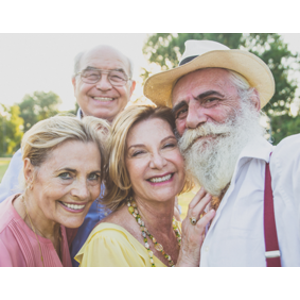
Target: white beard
211,161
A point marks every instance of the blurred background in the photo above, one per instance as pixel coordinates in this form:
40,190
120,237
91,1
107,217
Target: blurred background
36,70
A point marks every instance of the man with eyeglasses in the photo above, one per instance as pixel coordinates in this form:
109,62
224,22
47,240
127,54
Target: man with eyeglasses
102,87
102,82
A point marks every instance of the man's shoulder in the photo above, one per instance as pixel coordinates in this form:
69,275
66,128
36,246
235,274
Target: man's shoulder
285,160
6,213
290,142
288,148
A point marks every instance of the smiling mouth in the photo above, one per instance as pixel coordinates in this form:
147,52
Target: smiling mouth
73,206
103,99
161,179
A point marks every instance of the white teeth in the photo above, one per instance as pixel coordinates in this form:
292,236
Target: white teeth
161,179
103,99
73,206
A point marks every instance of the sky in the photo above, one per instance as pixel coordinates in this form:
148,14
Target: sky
44,61
31,62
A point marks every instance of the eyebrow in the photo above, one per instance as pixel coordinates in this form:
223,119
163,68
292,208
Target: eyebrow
67,169
209,93
93,68
142,145
74,171
199,97
178,106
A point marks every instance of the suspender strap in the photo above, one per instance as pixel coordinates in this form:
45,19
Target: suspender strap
271,241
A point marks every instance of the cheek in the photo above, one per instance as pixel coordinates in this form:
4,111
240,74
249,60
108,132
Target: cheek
180,163
83,88
51,188
177,160
95,192
223,116
124,93
180,126
136,172
222,113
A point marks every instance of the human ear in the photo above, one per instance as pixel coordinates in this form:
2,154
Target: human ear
74,85
256,100
28,171
132,87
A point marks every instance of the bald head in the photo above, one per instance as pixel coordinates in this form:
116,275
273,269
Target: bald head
101,50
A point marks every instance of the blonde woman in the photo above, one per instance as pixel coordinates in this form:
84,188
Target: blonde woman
144,174
63,163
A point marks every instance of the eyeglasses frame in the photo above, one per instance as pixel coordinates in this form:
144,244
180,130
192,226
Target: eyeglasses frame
103,72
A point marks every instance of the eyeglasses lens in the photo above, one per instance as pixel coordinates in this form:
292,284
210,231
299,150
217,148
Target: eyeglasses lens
115,77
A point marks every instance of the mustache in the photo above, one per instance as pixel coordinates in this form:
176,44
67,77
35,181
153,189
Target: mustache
190,136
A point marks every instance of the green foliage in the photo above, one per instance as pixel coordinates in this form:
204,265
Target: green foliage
11,129
72,111
275,53
4,162
37,107
165,49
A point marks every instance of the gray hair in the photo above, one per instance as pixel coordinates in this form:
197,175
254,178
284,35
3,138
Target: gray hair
245,91
238,81
77,60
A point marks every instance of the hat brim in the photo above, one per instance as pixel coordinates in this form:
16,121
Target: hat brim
158,88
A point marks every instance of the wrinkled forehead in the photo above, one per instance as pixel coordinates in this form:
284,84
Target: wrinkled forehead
201,81
104,58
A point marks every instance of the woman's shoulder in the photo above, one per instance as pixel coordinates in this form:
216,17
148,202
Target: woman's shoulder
109,230
115,223
110,244
12,242
7,213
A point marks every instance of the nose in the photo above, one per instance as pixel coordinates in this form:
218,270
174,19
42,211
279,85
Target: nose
103,84
196,115
157,161
80,190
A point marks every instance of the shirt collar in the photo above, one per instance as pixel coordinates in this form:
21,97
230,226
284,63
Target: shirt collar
258,148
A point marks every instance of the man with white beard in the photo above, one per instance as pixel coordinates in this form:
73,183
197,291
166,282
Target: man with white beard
217,94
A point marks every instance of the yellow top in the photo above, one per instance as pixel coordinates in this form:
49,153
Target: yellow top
110,245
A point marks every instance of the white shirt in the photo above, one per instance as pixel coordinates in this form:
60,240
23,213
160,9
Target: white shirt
236,235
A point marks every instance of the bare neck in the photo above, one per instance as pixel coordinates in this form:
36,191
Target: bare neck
32,215
157,215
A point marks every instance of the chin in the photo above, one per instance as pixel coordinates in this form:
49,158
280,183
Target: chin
165,197
73,224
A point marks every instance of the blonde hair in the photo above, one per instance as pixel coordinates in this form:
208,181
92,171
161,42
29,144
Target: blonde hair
48,134
118,185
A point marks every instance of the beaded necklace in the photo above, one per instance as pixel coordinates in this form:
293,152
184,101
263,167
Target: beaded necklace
132,208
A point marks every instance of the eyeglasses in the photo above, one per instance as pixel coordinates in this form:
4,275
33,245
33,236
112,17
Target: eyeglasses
115,77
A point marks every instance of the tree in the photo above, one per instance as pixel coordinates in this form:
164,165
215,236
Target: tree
11,131
72,111
165,49
37,107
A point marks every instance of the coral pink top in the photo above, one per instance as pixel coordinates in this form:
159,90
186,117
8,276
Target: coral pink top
19,246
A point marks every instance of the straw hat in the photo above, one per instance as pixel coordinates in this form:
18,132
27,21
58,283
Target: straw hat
210,54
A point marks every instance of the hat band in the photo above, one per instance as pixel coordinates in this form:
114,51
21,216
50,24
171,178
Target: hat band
187,59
